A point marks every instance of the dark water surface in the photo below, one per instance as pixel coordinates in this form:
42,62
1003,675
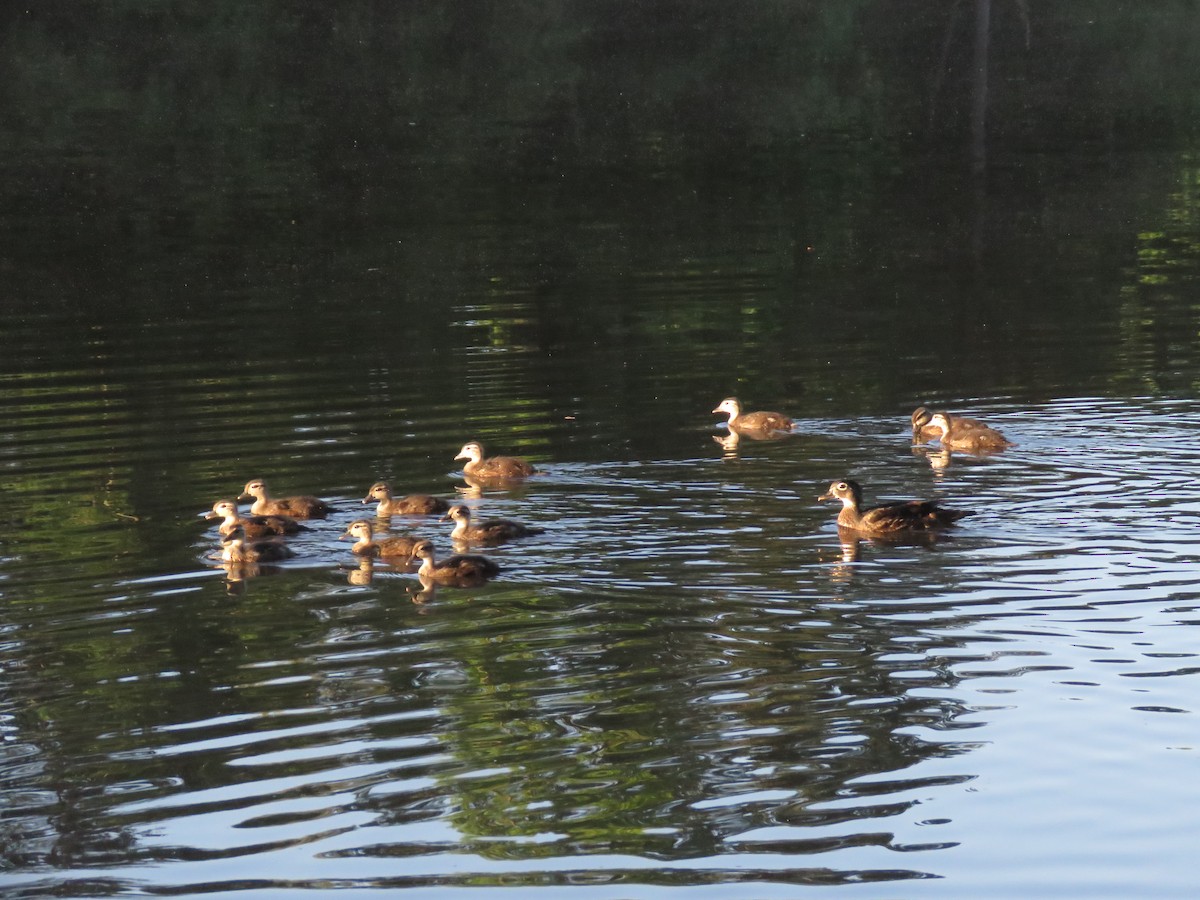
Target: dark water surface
688,685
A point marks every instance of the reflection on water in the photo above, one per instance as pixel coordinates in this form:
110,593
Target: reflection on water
690,669
690,680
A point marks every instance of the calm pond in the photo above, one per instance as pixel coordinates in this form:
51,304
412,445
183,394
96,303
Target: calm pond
330,248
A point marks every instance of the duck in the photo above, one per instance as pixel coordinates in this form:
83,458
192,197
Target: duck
922,416
495,467
296,507
400,545
412,505
752,421
236,548
969,435
252,526
489,531
905,517
461,569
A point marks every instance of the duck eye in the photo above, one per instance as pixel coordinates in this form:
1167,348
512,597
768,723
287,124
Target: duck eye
842,486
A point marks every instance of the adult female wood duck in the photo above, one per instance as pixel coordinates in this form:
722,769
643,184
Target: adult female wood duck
396,547
752,421
489,531
905,517
296,507
237,549
492,467
461,570
412,505
923,417
252,526
957,435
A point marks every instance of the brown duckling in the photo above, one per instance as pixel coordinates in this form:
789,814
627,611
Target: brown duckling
236,548
922,416
489,531
905,517
296,507
752,421
496,467
955,434
412,505
397,546
461,569
252,526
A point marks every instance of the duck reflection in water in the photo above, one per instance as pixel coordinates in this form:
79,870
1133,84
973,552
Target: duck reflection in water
730,442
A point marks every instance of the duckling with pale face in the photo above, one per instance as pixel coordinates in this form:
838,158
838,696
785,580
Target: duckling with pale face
301,507
461,569
761,421
396,547
492,467
412,505
905,517
252,526
237,549
956,434
489,531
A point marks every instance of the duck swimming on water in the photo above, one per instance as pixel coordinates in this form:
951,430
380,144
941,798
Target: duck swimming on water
252,526
905,517
752,421
412,505
296,507
489,531
957,434
492,467
235,548
462,570
395,547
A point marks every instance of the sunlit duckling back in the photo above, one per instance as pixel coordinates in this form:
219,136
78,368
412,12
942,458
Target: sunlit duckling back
295,507
922,426
252,526
398,547
496,467
752,421
909,516
957,435
489,531
463,569
237,548
412,505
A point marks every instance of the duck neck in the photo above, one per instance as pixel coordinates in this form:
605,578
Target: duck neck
460,530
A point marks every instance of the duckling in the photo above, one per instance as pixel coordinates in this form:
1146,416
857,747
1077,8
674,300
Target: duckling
413,504
296,507
752,421
886,519
252,526
388,547
496,467
921,418
957,435
235,548
490,531
461,570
